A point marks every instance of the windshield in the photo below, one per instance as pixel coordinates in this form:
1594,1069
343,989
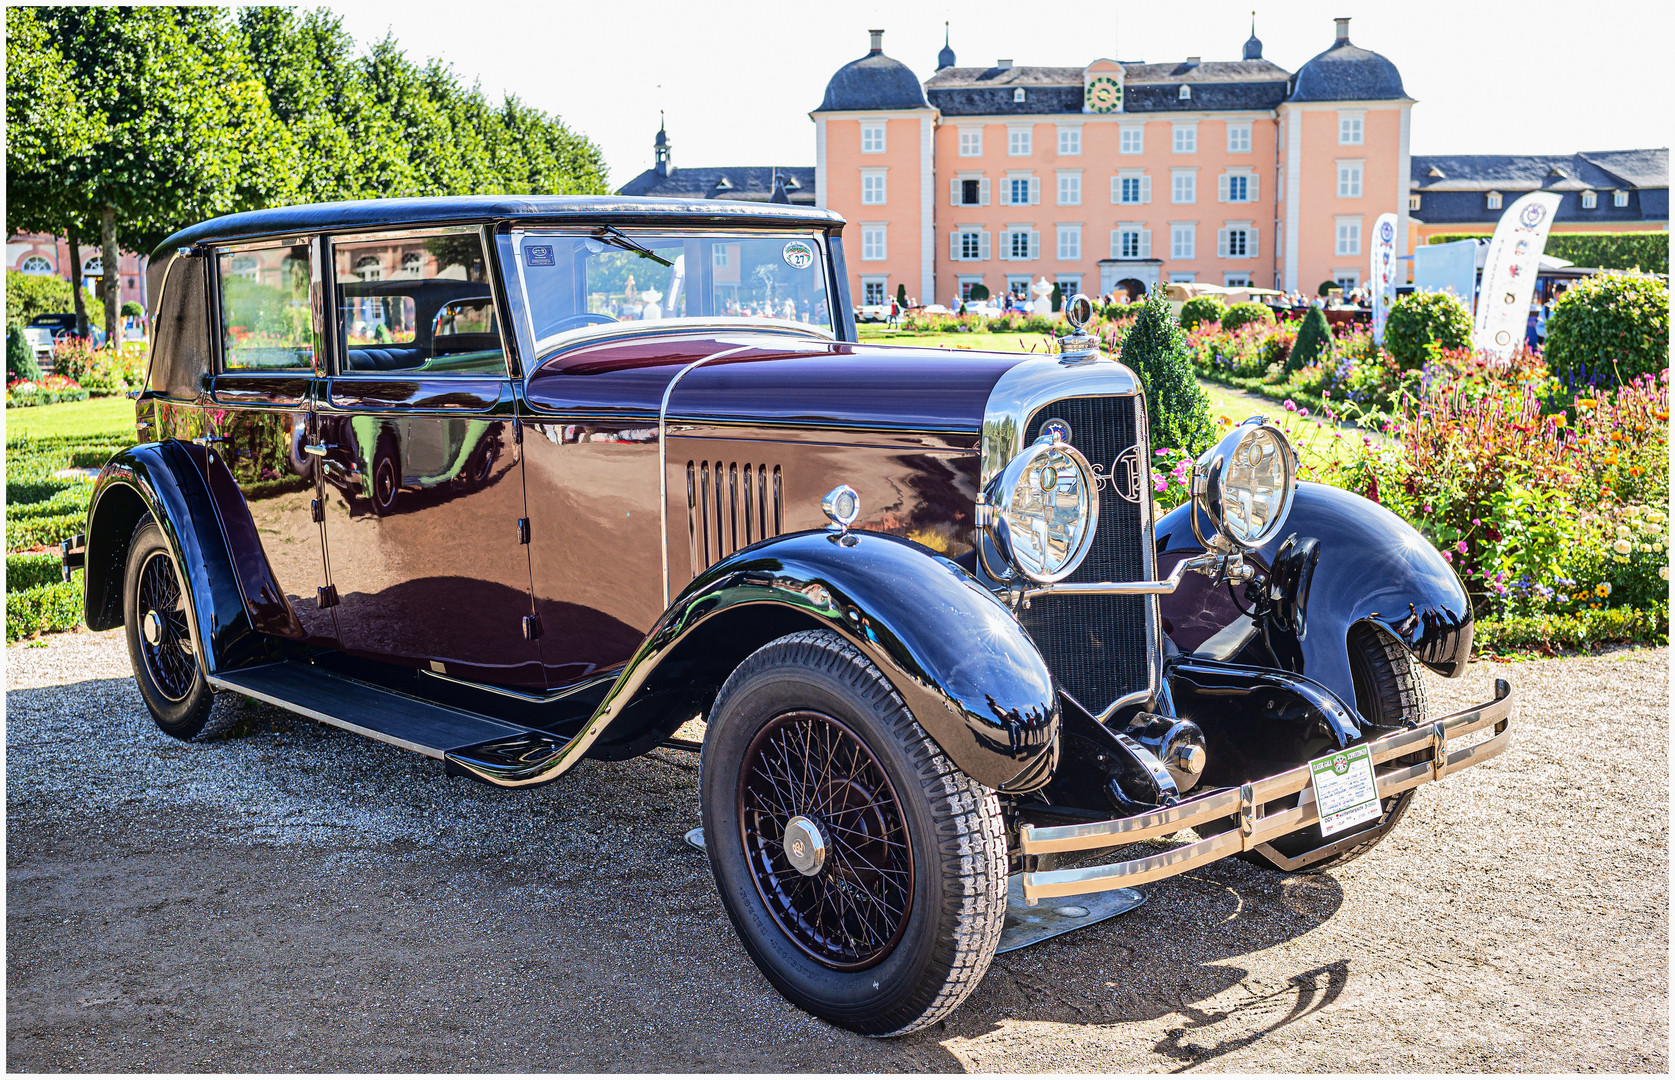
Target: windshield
572,280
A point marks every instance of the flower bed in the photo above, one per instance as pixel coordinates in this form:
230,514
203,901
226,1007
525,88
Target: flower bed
47,390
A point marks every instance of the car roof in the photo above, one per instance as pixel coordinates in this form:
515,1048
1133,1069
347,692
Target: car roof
476,209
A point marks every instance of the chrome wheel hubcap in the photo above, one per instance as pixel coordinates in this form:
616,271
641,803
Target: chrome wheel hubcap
152,628
805,845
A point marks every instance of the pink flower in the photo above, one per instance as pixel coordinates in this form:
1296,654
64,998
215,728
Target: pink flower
1303,412
1448,555
1290,406
1474,521
1160,483
1461,547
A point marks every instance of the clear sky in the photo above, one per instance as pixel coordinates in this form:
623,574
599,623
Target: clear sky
737,80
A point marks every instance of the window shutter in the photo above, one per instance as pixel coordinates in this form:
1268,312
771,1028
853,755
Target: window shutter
1034,244
1116,189
1005,245
983,191
1250,244
1116,244
1145,243
954,191
1034,190
1250,188
954,246
983,245
1221,243
1145,189
1221,188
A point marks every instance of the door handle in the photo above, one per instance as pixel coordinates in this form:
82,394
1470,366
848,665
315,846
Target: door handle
317,449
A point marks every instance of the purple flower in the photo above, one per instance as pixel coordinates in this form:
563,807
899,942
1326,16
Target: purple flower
1460,547
1290,406
1448,555
1302,413
1160,483
1474,521
1159,453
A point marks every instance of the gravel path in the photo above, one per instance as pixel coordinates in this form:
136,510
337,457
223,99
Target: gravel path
295,897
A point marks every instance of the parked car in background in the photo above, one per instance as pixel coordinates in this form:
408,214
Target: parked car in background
496,480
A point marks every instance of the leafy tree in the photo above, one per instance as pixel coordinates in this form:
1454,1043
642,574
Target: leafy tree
186,130
901,295
1200,310
979,291
1156,350
1314,340
1244,314
1609,328
1326,288
1421,320
1058,296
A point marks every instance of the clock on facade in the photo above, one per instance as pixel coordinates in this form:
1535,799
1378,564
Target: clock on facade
1102,94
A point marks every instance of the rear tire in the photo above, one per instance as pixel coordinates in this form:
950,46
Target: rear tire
1390,695
896,912
166,668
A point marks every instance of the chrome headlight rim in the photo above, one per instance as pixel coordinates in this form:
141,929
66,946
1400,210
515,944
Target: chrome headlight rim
1210,485
998,505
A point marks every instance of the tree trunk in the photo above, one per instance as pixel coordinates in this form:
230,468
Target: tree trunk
75,285
112,281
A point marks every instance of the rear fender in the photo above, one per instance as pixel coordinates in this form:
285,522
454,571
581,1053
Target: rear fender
163,480
1369,566
965,668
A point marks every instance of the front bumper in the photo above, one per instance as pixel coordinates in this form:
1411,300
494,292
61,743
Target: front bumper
1246,804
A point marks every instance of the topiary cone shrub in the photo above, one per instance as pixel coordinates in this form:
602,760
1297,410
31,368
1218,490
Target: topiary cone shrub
20,358
901,295
1156,350
1244,314
1421,319
1314,341
1200,310
1608,329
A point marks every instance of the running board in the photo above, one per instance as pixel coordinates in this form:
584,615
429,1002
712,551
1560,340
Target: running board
420,726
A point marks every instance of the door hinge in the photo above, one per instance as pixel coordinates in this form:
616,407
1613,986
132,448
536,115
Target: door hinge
328,596
531,627
523,530
317,510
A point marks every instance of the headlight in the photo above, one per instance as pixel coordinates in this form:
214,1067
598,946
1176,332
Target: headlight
1245,483
1043,509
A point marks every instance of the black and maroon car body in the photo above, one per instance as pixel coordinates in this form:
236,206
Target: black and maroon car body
514,482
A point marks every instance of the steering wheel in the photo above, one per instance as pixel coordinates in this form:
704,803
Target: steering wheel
587,318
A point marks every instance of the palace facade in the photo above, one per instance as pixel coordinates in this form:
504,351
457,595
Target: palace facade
1116,174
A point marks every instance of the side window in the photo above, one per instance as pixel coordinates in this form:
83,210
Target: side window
416,304
265,320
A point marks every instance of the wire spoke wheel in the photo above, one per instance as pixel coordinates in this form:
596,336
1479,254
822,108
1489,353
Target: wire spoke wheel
825,840
165,640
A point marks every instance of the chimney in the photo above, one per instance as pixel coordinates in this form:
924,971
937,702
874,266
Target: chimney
1194,61
1004,65
878,39
1343,31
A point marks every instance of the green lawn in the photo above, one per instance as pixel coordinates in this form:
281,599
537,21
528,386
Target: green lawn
1013,342
95,416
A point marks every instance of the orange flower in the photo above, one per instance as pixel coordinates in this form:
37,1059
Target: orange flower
1611,459
1635,470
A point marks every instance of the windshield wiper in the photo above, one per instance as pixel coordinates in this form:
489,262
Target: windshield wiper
610,234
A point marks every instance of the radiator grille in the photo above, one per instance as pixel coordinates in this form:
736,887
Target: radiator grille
730,506
1097,646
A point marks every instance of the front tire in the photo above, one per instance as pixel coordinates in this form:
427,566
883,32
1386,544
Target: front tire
154,611
864,872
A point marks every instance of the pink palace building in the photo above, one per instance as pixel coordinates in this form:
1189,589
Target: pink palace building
1114,175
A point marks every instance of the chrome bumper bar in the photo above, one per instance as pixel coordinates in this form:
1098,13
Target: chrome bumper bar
1246,804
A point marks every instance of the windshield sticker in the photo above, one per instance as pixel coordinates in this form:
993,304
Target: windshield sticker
538,255
799,255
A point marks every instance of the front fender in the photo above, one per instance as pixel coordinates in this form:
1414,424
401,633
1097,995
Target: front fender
163,480
1373,567
967,671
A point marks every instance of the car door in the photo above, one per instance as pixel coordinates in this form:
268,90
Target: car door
249,428
424,519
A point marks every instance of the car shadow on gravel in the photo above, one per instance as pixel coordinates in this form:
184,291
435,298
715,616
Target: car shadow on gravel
346,823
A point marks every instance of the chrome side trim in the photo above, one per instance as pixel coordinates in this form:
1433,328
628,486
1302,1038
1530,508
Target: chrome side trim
663,451
519,695
1245,804
726,324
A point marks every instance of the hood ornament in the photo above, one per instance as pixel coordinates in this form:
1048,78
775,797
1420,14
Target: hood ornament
1078,346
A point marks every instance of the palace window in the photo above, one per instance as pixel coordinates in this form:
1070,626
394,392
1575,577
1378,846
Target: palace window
1493,200
1349,236
1238,138
1131,139
872,290
1131,190
1619,198
1238,189
1590,200
1349,179
1350,129
35,264
1186,138
872,138
1236,281
1070,189
1183,186
1020,142
1070,140
872,188
971,142
872,242
1070,242
1183,242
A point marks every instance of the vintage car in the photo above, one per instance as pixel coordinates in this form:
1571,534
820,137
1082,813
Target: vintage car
647,474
